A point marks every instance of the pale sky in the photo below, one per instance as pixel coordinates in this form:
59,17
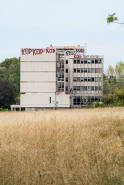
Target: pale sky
39,23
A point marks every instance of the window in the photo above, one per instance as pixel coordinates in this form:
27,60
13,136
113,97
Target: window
89,88
82,70
89,79
96,88
74,88
82,79
50,100
66,61
92,61
96,61
100,61
74,61
74,79
92,88
78,88
96,70
74,70
99,70
92,70
78,79
96,79
85,88
66,79
85,70
92,79
100,88
89,70
82,88
82,61
78,61
85,61
85,79
66,70
66,88
78,70
89,61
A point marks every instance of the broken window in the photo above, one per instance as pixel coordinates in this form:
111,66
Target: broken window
74,88
66,61
85,70
78,88
74,79
92,61
74,70
78,70
85,61
78,61
74,61
89,79
66,79
96,61
66,70
89,70
82,79
82,61
85,79
92,79
82,70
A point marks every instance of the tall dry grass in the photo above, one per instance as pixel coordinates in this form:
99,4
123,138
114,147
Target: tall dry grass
64,147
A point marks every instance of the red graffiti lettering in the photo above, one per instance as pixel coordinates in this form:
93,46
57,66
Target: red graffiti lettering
77,56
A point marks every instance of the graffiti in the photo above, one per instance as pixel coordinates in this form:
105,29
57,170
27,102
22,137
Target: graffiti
50,50
37,51
77,56
27,51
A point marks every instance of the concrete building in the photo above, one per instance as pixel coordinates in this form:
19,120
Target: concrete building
61,77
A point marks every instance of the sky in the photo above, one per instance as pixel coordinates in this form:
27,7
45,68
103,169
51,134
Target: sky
40,23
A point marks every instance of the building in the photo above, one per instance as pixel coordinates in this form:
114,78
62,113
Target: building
59,77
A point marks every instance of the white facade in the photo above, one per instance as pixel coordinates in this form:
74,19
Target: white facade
59,77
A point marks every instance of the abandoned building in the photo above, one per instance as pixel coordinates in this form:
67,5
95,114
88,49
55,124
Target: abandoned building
59,77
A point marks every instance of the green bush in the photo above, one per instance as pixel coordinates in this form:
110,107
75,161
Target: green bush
4,110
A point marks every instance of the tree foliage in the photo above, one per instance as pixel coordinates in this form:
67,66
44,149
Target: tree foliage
111,18
10,71
6,94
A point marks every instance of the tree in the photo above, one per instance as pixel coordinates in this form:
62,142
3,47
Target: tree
111,18
10,71
6,94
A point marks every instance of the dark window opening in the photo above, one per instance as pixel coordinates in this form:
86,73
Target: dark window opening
85,61
92,61
66,70
66,79
74,70
96,61
50,99
74,61
66,61
78,70
78,61
82,61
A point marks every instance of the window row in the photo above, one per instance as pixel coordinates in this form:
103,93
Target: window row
87,70
81,100
87,88
87,61
88,79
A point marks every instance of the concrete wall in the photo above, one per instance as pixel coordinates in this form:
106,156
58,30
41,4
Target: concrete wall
44,100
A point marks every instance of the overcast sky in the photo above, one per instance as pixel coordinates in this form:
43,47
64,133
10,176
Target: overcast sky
39,23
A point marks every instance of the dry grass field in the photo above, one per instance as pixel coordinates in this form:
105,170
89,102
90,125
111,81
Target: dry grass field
72,147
